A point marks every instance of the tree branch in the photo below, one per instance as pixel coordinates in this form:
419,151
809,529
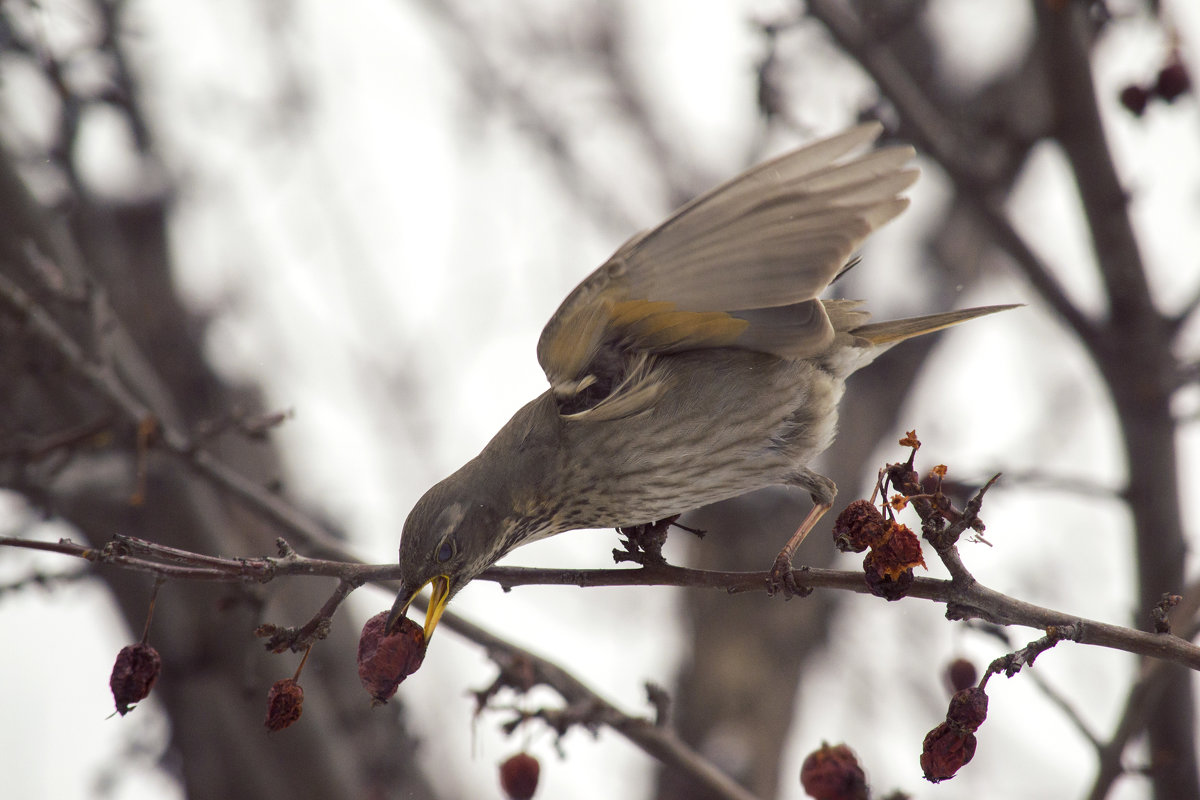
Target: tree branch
963,599
105,380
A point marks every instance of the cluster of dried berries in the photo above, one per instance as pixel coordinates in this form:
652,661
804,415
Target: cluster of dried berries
285,702
384,660
895,550
832,772
951,745
519,776
1172,82
133,675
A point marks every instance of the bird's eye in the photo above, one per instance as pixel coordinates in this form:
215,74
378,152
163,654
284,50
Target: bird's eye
445,550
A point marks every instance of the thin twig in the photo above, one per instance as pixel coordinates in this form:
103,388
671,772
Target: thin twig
658,741
106,381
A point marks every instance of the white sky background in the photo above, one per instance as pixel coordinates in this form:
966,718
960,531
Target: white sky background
382,262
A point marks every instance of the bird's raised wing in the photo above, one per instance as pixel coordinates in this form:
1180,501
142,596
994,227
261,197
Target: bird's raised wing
740,266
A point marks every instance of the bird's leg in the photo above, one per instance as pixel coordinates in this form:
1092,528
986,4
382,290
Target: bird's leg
644,543
781,577
823,492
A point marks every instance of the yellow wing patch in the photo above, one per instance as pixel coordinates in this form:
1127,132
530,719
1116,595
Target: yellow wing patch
658,328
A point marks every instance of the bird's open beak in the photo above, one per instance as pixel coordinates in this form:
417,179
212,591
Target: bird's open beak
437,604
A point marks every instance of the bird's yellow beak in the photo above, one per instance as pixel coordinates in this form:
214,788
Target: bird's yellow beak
437,604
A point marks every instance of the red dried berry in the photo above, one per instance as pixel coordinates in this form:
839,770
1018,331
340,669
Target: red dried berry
859,526
961,674
1173,81
519,776
833,773
946,749
385,661
899,551
133,675
1135,98
285,703
968,708
888,587
904,479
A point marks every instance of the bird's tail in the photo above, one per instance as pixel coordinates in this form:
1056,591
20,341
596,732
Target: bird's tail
897,330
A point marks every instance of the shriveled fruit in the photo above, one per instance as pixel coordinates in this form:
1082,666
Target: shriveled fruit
832,772
285,702
519,776
899,551
384,660
883,585
1135,99
946,750
961,674
1173,81
859,526
133,675
968,708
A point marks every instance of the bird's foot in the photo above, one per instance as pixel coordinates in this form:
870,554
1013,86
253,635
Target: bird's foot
644,543
782,579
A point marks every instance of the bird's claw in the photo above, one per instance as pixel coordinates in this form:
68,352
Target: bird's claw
644,543
782,579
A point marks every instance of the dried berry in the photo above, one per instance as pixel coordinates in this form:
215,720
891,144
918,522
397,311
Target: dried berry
384,661
885,586
961,674
946,750
285,703
859,526
833,773
1173,81
519,776
968,708
899,551
904,479
134,674
1135,99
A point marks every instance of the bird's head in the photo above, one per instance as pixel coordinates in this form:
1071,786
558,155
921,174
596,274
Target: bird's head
448,539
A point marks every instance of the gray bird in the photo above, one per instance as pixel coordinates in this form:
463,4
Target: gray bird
695,365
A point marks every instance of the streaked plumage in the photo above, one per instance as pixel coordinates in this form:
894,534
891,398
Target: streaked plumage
695,365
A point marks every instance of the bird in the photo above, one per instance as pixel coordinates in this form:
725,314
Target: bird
696,364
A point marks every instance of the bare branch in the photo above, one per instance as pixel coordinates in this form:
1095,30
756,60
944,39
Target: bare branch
108,383
963,599
658,741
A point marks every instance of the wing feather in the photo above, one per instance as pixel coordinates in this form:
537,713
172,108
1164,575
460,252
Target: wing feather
740,266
